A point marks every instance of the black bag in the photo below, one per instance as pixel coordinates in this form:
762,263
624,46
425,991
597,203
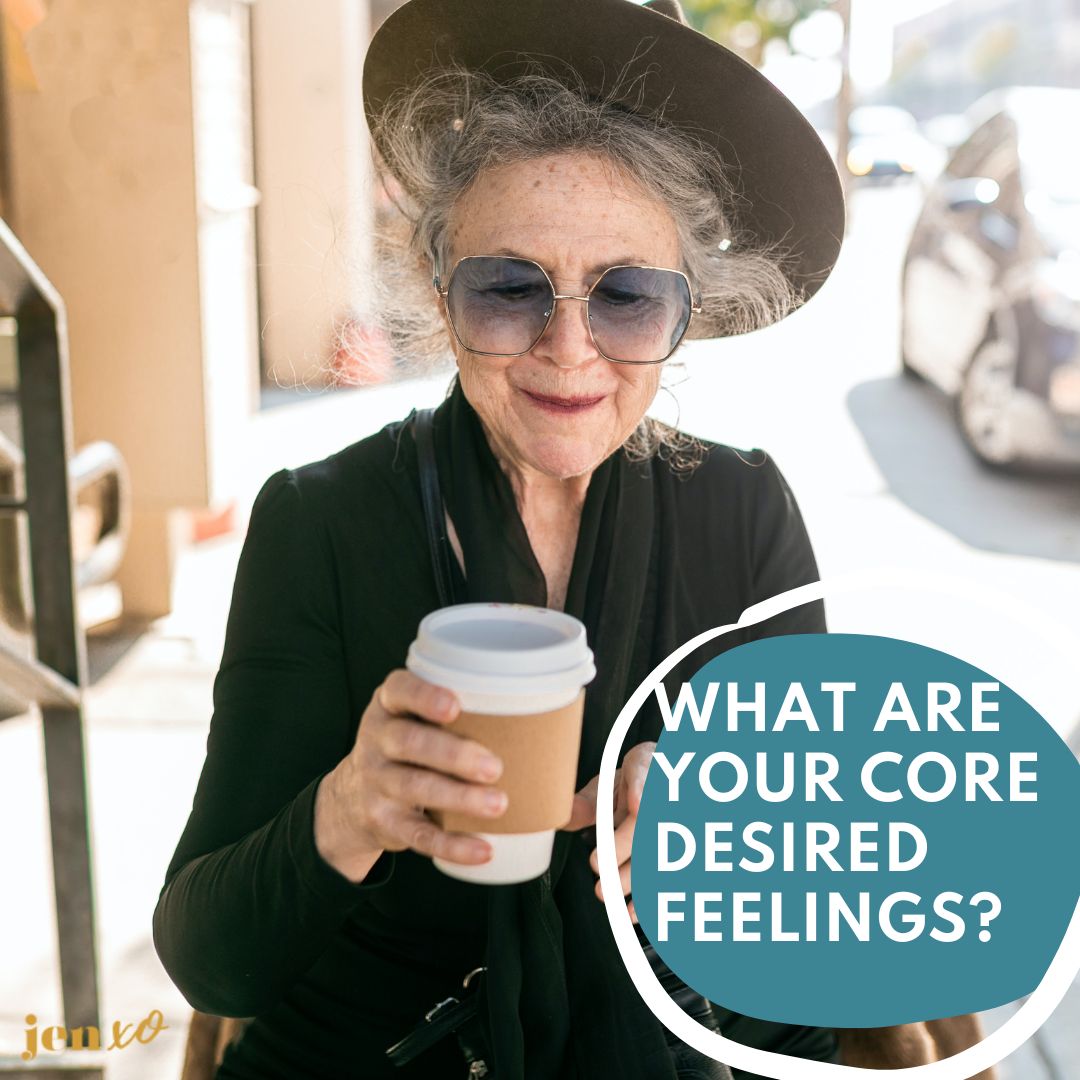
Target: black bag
451,1016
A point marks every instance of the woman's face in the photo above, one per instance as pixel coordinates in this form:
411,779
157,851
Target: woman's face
561,408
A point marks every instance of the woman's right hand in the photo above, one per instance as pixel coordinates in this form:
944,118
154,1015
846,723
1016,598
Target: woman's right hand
402,764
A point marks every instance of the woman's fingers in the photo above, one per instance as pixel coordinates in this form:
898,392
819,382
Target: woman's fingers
583,812
403,693
400,737
433,791
417,743
620,809
412,829
582,815
635,768
624,879
624,839
624,845
402,763
629,785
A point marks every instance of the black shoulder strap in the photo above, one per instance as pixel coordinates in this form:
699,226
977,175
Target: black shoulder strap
431,496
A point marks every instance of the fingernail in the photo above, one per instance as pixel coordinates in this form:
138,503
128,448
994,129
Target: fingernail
444,702
594,861
490,768
495,801
483,852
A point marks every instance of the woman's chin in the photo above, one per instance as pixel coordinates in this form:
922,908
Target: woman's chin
562,458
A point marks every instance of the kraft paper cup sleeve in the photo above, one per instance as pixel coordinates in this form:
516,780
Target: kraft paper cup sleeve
540,755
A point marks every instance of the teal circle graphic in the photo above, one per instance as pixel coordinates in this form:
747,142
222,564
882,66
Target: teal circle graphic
938,879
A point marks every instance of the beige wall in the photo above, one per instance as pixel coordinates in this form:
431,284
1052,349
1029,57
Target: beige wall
312,172
132,178
103,184
130,169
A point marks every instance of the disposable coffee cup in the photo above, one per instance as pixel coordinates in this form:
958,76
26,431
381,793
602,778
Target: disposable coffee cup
519,673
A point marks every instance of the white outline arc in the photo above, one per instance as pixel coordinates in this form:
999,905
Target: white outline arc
991,1050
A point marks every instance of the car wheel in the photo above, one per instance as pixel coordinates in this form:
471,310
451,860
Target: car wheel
905,364
983,405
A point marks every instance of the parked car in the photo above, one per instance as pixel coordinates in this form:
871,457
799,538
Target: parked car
885,144
991,280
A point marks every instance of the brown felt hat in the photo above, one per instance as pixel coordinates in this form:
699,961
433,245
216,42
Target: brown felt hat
791,193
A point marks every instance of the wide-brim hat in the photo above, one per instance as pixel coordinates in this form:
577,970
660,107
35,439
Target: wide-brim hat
790,192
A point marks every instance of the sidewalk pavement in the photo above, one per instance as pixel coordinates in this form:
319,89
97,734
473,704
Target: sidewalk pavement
147,716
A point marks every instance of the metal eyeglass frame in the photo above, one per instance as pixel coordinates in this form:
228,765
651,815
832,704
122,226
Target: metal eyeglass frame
556,296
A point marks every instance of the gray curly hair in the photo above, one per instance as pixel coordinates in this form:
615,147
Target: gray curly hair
446,129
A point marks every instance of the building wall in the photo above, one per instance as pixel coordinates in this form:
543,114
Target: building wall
114,188
135,174
947,58
103,190
312,171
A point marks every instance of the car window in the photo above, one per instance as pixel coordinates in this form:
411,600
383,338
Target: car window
1002,165
974,157
1010,201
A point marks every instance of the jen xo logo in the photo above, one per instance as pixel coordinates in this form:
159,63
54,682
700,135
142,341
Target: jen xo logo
90,1038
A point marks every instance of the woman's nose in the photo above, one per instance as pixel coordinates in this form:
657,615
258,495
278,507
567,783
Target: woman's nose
567,341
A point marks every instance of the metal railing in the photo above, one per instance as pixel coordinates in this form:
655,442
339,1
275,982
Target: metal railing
52,676
100,486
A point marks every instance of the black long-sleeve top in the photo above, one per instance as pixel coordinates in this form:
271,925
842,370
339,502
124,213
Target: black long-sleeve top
333,579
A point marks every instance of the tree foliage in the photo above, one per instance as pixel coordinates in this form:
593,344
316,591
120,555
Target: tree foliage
748,25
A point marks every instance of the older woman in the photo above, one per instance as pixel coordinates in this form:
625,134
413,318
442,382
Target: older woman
573,217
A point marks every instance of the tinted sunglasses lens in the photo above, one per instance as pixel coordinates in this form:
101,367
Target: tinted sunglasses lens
497,304
639,314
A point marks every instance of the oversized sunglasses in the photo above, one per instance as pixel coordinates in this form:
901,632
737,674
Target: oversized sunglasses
499,305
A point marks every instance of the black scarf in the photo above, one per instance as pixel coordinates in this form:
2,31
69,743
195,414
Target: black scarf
557,995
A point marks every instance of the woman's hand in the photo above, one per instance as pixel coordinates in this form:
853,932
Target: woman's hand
402,764
629,784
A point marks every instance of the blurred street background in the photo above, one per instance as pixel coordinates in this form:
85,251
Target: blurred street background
218,332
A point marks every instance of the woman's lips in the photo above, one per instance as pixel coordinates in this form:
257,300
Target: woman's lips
563,406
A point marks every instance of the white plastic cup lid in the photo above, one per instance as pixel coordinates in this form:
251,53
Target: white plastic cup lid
502,649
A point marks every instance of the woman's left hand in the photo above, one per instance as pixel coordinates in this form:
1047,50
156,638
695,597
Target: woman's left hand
629,784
